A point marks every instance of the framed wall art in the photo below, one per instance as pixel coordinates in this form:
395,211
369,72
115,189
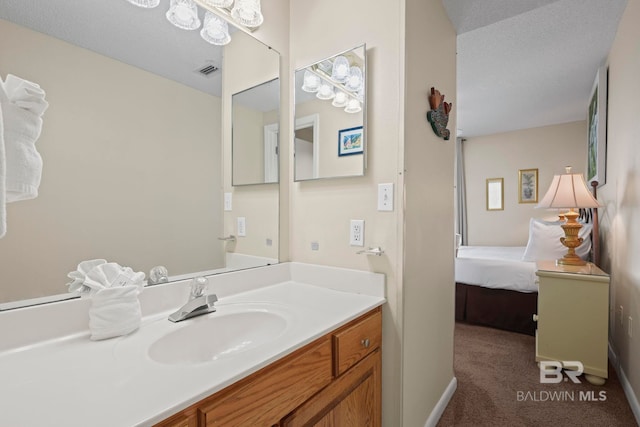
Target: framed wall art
495,194
597,130
528,186
350,141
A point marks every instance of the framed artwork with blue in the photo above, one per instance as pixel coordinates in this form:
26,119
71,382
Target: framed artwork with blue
350,141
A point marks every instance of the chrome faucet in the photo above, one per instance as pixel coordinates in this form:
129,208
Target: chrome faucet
198,303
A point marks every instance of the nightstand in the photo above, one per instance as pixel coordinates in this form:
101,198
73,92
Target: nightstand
573,317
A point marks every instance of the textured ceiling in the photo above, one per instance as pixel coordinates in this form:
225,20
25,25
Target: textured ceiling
115,28
524,64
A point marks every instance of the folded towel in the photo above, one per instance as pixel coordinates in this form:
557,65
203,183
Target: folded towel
79,276
114,312
112,275
22,104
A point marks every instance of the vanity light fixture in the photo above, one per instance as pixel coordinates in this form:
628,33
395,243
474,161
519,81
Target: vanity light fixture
340,71
311,82
354,81
215,30
325,91
219,13
341,99
353,106
147,4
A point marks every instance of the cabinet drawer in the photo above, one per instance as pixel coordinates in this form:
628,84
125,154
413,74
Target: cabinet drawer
356,341
263,398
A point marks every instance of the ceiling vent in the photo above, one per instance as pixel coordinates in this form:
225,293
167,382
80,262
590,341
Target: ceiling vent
207,70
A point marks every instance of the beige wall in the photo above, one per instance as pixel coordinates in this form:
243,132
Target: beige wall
250,63
620,218
247,146
417,359
428,290
120,178
548,149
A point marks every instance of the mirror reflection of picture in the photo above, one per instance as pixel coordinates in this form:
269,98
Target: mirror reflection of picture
350,141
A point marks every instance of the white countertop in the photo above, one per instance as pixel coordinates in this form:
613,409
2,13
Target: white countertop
72,381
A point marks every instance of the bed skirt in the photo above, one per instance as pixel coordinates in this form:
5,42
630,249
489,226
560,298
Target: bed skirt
497,308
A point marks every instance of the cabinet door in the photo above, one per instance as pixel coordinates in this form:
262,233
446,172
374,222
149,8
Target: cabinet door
353,399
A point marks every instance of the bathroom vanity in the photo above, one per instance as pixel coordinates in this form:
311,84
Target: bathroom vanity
289,344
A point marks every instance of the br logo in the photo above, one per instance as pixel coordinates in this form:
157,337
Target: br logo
551,371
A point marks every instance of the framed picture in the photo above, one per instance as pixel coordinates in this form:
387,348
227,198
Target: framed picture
350,141
495,194
597,130
528,186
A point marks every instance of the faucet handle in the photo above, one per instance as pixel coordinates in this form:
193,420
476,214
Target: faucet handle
198,286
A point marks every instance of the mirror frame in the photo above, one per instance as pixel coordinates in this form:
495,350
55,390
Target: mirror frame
363,125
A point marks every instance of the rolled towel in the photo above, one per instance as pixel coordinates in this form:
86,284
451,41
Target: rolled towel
22,105
79,276
114,312
112,275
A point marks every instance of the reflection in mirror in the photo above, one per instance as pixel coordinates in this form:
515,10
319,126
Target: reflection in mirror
495,194
255,134
330,100
131,154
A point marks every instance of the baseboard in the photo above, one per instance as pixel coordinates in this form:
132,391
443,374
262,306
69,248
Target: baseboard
442,404
626,385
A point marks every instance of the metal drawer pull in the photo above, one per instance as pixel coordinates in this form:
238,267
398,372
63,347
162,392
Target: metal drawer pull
365,343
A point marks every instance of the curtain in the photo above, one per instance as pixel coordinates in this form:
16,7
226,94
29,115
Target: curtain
461,204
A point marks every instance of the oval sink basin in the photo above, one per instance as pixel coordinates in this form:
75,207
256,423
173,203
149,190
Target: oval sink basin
215,336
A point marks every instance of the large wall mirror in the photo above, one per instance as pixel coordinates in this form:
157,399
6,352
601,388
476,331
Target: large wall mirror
133,145
330,111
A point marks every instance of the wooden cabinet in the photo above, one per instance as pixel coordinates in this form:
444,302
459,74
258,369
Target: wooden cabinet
333,381
573,317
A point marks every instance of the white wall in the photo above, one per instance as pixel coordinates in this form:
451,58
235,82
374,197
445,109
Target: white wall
548,149
620,218
127,157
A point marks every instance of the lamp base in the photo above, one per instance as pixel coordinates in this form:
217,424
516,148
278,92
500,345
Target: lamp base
571,240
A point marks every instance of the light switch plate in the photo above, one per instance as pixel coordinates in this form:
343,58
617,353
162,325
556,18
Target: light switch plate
385,197
228,197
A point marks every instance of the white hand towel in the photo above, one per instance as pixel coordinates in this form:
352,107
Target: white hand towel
22,108
112,275
79,276
114,312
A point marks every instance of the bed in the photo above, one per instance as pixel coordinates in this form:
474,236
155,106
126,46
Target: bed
497,287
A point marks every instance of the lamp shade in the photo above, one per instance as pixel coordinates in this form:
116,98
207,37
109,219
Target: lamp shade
568,191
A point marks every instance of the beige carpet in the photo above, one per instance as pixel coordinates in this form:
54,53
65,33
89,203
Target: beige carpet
499,385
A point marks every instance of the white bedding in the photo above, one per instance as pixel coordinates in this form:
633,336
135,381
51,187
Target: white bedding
498,267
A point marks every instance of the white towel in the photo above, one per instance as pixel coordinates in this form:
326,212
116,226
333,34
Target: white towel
114,312
79,276
22,107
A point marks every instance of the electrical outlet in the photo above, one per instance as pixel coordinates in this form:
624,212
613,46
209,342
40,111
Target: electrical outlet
385,197
356,232
315,246
242,226
630,322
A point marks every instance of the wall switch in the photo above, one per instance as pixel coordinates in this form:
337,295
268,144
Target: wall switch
242,226
356,232
315,246
385,197
228,197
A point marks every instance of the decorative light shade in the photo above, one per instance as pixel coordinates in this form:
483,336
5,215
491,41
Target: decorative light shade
340,71
311,82
184,14
247,12
215,30
355,80
569,191
219,3
353,106
325,91
147,4
341,99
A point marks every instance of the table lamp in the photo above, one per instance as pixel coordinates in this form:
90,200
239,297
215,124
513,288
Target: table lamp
569,191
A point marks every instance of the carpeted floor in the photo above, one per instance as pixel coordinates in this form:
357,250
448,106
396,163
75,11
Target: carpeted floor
499,385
